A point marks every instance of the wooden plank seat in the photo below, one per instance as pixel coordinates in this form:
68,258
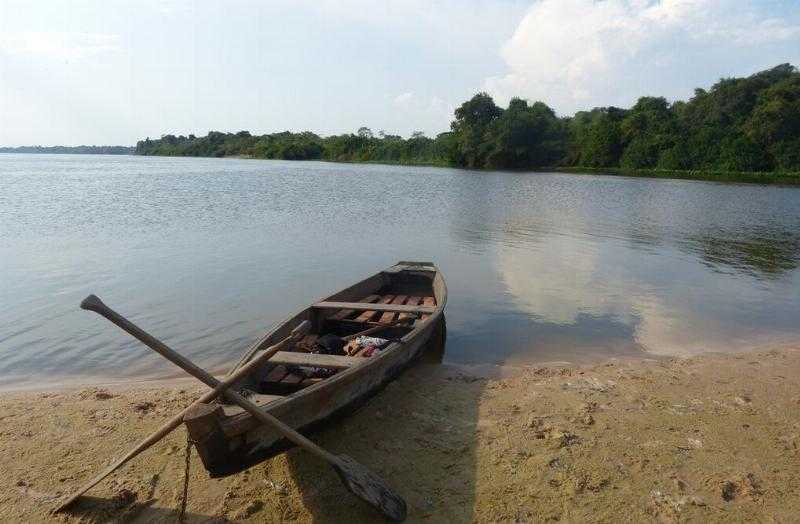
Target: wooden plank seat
397,308
289,358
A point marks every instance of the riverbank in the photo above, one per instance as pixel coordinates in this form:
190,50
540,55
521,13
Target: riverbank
711,438
785,178
766,177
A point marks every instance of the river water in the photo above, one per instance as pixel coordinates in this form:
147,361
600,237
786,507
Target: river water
209,253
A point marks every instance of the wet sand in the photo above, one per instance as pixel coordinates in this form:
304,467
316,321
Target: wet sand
710,438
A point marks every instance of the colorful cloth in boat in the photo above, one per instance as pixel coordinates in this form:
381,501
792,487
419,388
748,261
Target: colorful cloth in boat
369,346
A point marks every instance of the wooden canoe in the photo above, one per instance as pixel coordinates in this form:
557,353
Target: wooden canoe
409,296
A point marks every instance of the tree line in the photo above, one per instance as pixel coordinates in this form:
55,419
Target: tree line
738,125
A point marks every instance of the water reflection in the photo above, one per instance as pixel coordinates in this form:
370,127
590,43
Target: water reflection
762,253
657,288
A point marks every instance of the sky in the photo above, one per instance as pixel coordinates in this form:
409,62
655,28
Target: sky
111,72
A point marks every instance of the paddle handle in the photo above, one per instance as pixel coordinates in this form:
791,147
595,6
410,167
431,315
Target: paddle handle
93,303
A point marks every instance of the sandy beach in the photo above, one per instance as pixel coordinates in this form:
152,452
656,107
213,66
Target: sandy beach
711,438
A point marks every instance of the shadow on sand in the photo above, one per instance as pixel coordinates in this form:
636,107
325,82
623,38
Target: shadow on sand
419,434
92,509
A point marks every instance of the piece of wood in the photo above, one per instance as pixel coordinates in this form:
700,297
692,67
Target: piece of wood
373,308
412,301
292,379
290,358
430,302
93,303
259,399
306,344
389,316
279,381
276,374
362,324
203,426
311,381
359,480
341,315
369,313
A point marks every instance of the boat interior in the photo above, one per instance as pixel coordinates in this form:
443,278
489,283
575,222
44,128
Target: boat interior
388,305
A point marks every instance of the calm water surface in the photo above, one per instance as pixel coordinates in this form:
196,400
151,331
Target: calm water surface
208,253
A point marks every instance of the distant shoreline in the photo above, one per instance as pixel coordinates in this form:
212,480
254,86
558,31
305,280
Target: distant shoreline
754,177
70,150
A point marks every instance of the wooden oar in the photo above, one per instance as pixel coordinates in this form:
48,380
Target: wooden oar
359,480
300,331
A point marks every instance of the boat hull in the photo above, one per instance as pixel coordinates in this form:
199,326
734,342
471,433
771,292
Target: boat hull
230,444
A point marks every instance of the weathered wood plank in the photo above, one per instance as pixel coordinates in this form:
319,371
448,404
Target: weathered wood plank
412,301
389,316
311,381
341,315
276,374
428,301
373,308
289,358
260,400
368,314
292,379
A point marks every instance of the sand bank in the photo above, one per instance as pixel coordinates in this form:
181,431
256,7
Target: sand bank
711,438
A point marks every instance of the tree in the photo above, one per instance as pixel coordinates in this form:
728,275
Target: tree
648,130
469,126
774,124
525,136
596,137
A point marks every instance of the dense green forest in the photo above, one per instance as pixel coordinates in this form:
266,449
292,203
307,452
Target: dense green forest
738,125
75,150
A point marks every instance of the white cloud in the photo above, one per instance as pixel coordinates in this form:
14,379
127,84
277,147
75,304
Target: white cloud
58,46
577,54
403,98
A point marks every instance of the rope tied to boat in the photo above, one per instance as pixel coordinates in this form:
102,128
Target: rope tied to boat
187,462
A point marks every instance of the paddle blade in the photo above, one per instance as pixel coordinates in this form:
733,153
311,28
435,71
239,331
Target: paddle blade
370,487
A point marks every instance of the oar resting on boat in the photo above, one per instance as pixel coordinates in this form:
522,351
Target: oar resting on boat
308,383
357,479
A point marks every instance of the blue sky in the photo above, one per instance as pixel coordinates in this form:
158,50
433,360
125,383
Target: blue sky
108,72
